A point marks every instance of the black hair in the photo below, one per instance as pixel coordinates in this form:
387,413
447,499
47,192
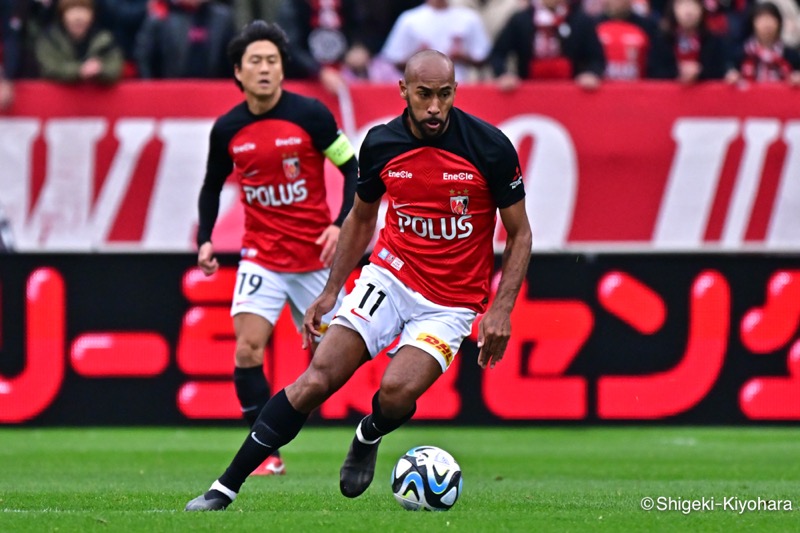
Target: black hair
766,8
258,30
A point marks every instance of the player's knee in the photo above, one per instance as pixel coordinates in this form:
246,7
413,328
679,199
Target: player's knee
312,388
249,353
396,397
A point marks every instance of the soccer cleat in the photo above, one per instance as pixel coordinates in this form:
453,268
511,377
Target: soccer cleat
272,466
358,468
213,500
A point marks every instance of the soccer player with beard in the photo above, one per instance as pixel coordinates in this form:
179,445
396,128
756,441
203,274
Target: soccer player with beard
446,174
275,143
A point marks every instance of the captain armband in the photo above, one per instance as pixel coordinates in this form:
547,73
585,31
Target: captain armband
340,151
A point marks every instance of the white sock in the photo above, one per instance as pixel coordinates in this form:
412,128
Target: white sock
223,489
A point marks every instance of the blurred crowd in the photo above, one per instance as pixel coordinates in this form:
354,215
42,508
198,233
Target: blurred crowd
352,41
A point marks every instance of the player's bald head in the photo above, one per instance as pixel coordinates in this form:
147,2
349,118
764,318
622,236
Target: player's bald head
429,65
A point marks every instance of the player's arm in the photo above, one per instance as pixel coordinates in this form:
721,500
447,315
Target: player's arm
218,167
341,153
495,327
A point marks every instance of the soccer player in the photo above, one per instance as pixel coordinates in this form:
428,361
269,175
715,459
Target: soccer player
446,174
275,143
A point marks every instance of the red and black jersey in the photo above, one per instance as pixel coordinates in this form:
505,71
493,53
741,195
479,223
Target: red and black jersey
626,43
278,160
443,199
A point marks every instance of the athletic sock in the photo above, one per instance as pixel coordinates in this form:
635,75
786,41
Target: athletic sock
374,426
252,390
277,425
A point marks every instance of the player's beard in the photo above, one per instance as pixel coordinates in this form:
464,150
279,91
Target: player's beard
420,124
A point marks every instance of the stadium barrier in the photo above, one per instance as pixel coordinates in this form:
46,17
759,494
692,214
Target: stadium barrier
647,165
146,339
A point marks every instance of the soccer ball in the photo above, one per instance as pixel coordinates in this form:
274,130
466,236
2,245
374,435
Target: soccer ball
426,478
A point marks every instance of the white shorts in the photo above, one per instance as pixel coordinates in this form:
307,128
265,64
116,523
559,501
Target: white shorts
380,307
264,292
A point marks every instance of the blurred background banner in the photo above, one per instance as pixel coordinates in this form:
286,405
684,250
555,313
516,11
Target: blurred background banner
647,165
146,339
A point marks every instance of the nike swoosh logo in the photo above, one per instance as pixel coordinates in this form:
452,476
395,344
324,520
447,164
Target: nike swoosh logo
353,310
253,435
250,174
398,206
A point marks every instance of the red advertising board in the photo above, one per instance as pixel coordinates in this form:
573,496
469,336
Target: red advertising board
656,166
141,338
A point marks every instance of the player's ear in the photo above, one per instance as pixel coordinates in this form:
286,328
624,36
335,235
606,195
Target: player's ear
237,73
403,89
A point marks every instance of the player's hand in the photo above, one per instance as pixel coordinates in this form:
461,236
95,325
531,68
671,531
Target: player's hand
328,240
312,321
493,334
206,260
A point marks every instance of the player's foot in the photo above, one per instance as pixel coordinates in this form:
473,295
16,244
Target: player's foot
213,500
272,466
358,468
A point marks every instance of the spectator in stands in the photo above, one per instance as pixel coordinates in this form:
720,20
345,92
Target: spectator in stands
28,19
378,19
764,57
493,13
724,18
627,40
361,66
185,39
684,49
550,39
127,17
74,49
23,21
246,11
455,31
320,34
790,13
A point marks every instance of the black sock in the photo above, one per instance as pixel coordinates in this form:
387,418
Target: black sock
277,425
375,425
252,390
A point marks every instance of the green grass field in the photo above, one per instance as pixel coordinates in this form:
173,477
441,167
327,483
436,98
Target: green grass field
525,479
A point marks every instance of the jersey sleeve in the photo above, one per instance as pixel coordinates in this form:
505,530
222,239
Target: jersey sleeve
334,144
218,166
505,183
370,185
322,128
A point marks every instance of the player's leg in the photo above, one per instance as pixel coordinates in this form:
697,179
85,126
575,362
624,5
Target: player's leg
338,356
409,374
427,347
258,299
252,334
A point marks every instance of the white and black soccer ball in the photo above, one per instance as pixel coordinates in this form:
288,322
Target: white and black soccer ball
426,478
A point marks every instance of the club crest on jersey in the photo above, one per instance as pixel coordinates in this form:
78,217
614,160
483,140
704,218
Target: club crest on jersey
458,204
291,167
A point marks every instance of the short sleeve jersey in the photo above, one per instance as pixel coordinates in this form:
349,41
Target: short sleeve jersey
278,161
443,199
